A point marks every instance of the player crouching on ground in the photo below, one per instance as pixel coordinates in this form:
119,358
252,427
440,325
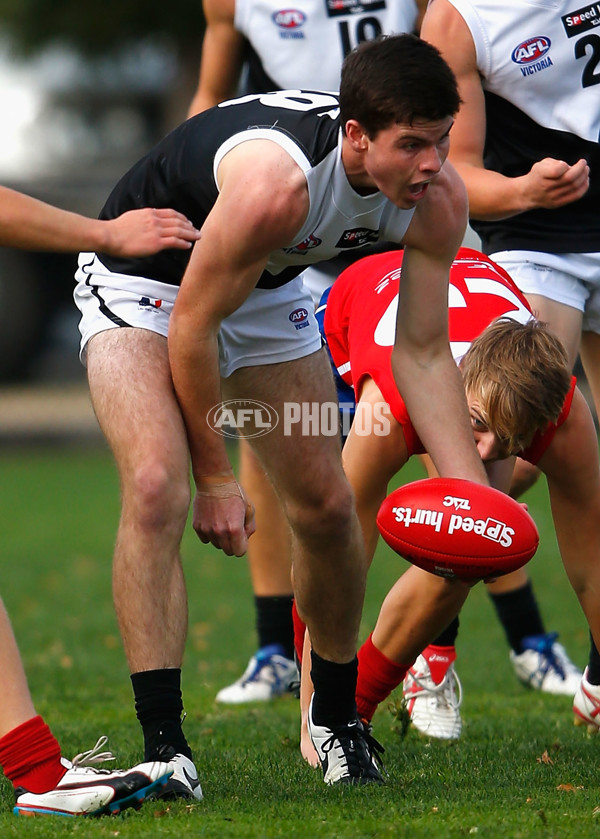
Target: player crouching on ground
522,400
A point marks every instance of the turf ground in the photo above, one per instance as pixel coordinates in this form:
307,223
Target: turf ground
521,768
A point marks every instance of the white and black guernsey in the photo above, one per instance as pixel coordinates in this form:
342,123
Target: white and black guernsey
540,66
180,173
304,45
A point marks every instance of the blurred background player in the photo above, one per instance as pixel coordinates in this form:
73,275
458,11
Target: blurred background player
526,144
247,44
522,399
46,783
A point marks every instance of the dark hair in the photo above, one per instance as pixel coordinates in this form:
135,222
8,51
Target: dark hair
396,79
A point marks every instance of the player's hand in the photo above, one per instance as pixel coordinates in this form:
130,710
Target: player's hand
553,183
145,232
223,517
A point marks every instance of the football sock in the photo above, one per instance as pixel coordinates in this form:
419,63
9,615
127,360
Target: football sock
299,632
30,756
593,674
335,687
378,676
159,708
519,614
447,638
274,622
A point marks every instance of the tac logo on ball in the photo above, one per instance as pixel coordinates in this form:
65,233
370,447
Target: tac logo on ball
456,528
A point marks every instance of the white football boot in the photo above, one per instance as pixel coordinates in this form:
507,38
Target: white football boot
544,665
269,674
433,694
586,705
87,791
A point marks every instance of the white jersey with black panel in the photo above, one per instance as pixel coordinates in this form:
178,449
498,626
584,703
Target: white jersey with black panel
539,62
180,172
304,45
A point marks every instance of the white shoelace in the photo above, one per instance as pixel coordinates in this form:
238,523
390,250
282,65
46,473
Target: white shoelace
426,683
94,755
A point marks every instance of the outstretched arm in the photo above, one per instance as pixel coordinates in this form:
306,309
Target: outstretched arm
425,372
550,183
30,224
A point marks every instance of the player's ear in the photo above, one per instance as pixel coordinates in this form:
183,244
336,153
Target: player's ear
356,135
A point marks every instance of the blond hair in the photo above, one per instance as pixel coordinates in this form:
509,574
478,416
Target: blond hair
520,375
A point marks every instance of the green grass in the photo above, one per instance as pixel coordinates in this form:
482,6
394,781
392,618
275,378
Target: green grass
521,768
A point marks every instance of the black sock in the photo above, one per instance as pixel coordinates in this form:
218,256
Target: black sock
519,615
159,708
274,622
593,674
334,702
447,638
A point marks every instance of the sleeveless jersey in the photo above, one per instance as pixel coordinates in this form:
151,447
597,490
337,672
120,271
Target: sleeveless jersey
304,45
360,325
539,61
180,172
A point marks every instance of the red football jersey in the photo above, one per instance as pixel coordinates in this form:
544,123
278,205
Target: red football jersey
360,325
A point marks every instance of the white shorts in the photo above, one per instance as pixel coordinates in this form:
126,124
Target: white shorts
569,278
271,326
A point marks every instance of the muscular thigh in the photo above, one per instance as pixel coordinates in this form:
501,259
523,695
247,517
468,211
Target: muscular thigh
132,394
302,458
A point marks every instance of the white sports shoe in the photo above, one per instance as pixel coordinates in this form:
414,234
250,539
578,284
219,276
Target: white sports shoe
183,782
268,674
544,665
586,705
434,707
86,791
348,754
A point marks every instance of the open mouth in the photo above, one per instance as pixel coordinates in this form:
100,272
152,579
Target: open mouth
418,190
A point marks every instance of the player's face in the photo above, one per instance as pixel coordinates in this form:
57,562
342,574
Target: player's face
403,159
489,445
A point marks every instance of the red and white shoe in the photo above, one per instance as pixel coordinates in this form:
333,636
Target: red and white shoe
586,705
433,694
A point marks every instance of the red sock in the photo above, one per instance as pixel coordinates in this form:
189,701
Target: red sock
377,678
299,631
30,756
439,660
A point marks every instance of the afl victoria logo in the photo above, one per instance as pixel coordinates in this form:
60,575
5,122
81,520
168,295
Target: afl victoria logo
531,50
299,317
289,18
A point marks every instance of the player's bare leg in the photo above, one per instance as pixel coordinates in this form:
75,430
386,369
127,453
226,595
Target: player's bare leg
329,563
132,394
133,399
306,470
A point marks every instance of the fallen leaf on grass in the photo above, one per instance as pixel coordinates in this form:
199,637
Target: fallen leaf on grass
545,758
568,788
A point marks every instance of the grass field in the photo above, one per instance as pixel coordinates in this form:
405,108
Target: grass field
521,768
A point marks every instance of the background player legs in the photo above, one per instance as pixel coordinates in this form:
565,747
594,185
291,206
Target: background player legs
271,671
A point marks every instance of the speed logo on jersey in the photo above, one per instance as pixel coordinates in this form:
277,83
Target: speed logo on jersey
581,20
